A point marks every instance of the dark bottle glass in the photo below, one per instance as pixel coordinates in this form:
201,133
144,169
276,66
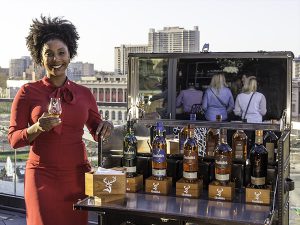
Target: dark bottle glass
271,144
129,159
239,145
184,133
223,160
159,151
258,162
212,138
190,157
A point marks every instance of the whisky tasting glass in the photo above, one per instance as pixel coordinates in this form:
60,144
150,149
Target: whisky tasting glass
54,108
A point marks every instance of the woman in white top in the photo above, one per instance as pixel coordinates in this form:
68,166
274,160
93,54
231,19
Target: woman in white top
257,107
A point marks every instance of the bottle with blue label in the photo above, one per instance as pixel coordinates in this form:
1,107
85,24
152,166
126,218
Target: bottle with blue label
159,153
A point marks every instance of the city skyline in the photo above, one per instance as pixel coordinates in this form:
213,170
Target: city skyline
232,25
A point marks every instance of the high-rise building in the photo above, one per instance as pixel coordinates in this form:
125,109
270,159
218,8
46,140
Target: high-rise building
121,56
174,39
18,66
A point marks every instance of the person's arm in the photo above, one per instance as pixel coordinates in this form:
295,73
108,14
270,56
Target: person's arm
179,99
263,106
94,123
19,119
237,108
19,133
205,101
231,102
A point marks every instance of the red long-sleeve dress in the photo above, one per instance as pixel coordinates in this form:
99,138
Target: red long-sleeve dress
54,177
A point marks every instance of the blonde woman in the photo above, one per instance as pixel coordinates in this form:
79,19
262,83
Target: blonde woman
250,104
217,99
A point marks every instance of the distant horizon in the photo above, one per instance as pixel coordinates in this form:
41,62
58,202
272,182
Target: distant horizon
228,26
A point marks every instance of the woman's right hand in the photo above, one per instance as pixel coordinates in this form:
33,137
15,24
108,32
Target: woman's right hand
46,122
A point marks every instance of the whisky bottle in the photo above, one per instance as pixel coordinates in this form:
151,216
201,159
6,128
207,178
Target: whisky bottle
212,138
159,151
239,145
129,159
184,133
271,144
190,157
223,160
258,162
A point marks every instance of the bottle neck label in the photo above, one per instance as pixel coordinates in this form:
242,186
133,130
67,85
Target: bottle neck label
258,180
239,154
190,175
222,177
131,169
158,155
159,173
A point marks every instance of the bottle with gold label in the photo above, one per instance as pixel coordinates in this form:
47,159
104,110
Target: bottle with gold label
239,145
258,162
190,157
159,153
223,160
212,138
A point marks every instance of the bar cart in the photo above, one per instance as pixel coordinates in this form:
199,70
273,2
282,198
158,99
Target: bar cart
154,81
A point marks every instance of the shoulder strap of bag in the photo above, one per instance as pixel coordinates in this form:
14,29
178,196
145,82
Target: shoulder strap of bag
248,105
222,103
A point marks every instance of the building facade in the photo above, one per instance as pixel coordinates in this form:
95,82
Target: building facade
77,70
110,92
121,56
173,39
17,67
296,67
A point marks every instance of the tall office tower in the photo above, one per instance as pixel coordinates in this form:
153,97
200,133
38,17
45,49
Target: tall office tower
121,56
174,39
18,66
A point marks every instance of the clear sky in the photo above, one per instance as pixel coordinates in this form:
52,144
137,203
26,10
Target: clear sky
228,25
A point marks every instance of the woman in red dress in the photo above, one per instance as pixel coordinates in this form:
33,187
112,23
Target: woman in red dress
54,177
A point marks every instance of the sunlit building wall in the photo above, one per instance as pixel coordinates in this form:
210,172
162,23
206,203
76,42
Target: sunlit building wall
174,39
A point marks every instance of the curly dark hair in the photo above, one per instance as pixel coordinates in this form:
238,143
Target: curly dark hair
51,28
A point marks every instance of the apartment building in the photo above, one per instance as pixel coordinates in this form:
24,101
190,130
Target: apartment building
174,39
121,56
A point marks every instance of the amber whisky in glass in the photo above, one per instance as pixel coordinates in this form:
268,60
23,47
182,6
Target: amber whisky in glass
258,162
239,145
223,160
159,152
190,157
183,134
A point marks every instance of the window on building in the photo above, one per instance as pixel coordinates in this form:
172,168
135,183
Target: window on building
113,95
120,115
101,95
113,115
101,114
106,115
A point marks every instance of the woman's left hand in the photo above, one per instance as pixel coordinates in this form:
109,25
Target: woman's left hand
105,129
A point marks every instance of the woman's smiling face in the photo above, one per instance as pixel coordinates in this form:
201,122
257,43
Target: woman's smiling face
55,57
